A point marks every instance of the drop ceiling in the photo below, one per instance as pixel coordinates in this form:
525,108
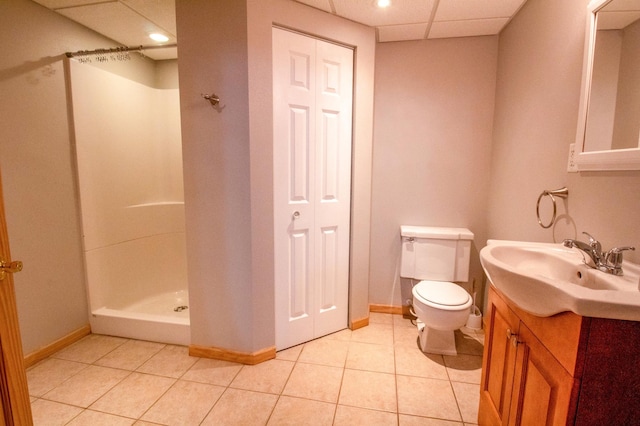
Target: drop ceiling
425,19
129,22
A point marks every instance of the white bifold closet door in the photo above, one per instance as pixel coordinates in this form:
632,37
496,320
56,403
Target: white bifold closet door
313,92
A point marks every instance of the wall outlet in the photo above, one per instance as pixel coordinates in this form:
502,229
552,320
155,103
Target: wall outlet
571,164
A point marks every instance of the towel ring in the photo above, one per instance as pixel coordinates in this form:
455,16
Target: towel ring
562,193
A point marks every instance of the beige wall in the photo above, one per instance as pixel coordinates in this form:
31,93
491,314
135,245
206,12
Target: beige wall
37,165
36,162
228,163
217,174
432,149
537,98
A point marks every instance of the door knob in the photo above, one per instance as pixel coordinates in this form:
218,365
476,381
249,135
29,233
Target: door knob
7,267
296,215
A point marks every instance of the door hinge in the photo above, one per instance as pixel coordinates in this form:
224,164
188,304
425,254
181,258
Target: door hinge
7,267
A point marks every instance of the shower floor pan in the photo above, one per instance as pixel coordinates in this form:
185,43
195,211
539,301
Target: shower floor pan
163,318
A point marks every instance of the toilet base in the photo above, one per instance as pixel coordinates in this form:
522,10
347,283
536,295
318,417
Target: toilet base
440,342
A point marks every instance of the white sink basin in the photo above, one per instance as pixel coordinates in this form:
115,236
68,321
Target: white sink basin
546,279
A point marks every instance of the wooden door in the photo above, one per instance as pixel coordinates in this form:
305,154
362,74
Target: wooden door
14,394
313,85
498,362
541,387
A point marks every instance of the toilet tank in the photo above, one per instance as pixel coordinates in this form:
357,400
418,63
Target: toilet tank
433,253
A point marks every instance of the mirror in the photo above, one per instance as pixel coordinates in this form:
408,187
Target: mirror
608,136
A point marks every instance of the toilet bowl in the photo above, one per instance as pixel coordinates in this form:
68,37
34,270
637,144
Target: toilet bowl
435,258
441,308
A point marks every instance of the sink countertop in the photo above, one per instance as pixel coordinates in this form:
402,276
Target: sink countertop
545,279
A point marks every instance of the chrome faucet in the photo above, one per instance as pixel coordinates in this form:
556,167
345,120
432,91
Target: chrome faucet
609,262
593,248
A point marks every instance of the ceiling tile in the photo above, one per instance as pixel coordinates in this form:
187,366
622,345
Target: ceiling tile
57,4
162,54
400,11
476,27
402,32
115,21
318,4
623,5
160,12
616,20
453,10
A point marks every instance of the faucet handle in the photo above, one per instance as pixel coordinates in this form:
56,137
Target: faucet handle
613,258
620,249
595,244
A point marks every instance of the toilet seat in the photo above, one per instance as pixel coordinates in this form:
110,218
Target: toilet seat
443,294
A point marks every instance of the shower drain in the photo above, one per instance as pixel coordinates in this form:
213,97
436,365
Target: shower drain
180,308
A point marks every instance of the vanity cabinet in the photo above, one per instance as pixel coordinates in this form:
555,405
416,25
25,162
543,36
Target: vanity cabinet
560,370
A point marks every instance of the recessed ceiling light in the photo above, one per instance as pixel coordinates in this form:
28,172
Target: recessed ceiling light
384,3
158,37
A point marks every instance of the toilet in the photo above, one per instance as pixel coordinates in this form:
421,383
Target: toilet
436,258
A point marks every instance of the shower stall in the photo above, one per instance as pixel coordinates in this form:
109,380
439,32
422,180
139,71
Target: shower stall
129,167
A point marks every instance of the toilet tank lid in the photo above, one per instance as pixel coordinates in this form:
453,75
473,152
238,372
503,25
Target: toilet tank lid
436,232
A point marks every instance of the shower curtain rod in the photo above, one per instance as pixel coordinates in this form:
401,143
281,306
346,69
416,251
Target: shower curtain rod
117,50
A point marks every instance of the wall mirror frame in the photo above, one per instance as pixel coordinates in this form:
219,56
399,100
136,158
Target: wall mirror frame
599,159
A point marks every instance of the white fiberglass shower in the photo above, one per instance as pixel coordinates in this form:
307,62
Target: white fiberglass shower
129,160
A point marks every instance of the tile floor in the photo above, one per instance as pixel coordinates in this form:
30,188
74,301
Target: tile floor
376,375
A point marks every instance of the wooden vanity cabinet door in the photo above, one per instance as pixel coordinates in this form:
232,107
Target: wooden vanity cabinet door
498,363
541,386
